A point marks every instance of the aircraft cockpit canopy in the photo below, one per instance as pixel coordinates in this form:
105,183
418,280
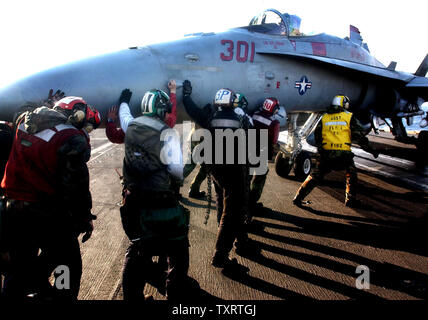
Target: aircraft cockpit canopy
273,22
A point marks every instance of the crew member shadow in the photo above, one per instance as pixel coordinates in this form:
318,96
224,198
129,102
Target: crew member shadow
194,293
381,274
408,236
354,218
244,278
371,194
191,290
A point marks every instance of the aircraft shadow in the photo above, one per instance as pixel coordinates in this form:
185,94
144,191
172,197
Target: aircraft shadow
382,274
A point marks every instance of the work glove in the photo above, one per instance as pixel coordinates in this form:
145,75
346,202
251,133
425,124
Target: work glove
187,88
53,98
125,96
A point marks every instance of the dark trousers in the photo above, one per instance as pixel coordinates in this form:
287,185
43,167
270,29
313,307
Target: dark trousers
199,178
326,164
39,243
230,183
257,184
138,267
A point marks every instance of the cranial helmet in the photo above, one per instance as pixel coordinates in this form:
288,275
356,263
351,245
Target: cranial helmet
224,98
341,101
271,105
74,108
155,103
240,102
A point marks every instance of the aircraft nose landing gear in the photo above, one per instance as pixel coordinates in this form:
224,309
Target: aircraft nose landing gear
291,155
301,166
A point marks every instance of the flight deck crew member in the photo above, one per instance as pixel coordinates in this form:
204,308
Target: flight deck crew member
152,217
6,140
263,119
46,184
7,130
333,136
228,178
240,105
117,135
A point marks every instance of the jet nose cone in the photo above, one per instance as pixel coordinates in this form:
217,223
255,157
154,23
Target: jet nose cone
99,80
11,99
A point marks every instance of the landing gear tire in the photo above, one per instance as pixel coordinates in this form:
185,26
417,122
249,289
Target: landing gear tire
303,166
282,166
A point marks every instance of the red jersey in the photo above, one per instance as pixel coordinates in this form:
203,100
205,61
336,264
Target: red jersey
31,171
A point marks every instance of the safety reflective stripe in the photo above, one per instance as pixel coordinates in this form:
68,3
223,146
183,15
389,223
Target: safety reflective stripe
225,123
262,119
45,135
336,123
63,126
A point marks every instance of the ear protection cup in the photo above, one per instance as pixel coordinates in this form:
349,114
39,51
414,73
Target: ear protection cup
78,116
77,119
346,102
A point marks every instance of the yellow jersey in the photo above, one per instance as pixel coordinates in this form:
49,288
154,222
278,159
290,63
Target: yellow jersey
336,131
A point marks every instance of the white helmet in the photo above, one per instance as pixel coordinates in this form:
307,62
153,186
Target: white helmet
341,101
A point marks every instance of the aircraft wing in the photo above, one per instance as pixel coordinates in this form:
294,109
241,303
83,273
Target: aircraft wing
419,84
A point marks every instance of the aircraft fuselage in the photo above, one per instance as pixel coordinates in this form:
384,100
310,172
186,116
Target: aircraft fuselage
234,59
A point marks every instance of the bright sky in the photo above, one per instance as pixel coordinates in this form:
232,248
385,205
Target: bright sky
36,35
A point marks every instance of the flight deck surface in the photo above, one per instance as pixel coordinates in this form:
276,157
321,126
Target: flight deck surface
306,253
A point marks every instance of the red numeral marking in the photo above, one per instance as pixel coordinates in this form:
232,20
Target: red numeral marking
229,50
253,50
241,52
238,52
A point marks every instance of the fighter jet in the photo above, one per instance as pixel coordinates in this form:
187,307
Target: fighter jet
268,58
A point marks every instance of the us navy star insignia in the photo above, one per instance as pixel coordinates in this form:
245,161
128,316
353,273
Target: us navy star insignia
303,85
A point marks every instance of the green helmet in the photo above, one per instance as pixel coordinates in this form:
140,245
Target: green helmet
155,103
240,101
